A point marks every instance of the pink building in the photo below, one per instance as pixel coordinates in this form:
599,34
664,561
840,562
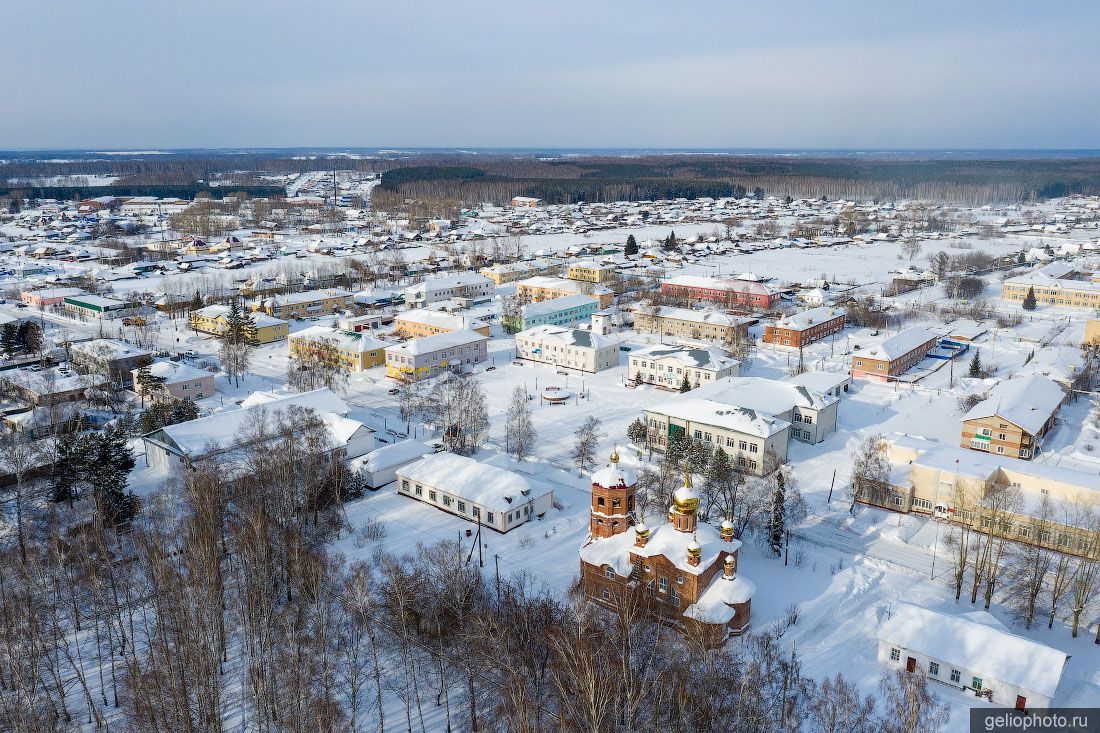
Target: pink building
48,297
181,381
729,292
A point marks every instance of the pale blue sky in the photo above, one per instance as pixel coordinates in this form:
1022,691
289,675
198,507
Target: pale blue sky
602,73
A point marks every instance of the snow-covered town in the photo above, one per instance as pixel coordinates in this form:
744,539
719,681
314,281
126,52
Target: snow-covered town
846,441
549,368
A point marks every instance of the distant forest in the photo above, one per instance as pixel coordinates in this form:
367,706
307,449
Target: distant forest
498,176
692,176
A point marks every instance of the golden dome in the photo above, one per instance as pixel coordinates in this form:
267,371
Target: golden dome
695,549
730,561
641,530
615,456
685,500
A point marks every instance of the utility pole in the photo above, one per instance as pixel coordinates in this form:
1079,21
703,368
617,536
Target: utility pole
496,562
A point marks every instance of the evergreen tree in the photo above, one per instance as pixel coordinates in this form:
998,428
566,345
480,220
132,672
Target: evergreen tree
685,384
150,384
698,455
637,432
109,460
9,338
1021,259
68,468
1029,300
631,246
777,517
677,448
30,335
196,302
976,364
183,411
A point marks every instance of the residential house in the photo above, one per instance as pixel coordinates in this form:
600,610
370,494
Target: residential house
305,305
812,415
469,285
590,270
548,288
181,381
420,322
116,360
729,292
567,311
708,325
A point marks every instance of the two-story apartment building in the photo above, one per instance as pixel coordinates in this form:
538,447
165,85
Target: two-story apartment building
213,319
666,366
746,435
468,285
426,357
707,325
729,292
181,382
1052,285
802,329
812,415
96,307
306,305
896,355
110,358
512,271
547,288
590,270
567,347
567,311
1013,419
357,350
420,322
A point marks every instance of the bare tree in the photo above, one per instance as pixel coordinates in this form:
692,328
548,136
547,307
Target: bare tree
519,431
588,437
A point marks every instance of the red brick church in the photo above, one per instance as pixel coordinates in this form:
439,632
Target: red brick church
687,567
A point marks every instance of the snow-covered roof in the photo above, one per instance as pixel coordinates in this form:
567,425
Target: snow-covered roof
807,318
1054,362
560,283
1026,402
553,305
818,381
448,282
901,344
309,296
494,488
976,647
764,395
174,372
738,284
223,430
614,474
716,604
109,349
388,456
567,336
353,341
663,540
695,316
691,356
439,319
259,319
717,414
435,342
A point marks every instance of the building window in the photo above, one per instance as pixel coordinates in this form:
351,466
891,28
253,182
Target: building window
808,419
489,517
446,501
934,669
419,491
895,655
431,495
461,506
405,485
680,579
976,683
606,594
662,584
609,572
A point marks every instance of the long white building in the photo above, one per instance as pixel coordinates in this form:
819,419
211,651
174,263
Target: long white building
573,348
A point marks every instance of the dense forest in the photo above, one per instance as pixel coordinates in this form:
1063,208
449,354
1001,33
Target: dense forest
497,176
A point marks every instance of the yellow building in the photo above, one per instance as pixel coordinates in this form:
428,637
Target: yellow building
1092,332
305,305
591,271
421,322
510,272
535,289
357,351
213,319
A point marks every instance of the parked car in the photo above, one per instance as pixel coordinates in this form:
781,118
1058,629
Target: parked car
393,391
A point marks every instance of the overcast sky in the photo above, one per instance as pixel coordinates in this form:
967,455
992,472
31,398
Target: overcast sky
601,73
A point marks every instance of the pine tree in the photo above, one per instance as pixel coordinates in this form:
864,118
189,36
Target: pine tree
150,384
108,461
1029,300
685,384
637,432
631,246
1021,259
777,517
196,302
67,469
976,364
9,338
